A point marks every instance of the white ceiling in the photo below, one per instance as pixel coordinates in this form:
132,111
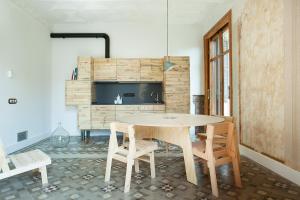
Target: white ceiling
121,11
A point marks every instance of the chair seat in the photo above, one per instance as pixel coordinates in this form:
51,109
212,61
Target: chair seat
141,146
199,148
36,158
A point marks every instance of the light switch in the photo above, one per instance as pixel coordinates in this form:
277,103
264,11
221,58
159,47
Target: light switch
12,101
9,74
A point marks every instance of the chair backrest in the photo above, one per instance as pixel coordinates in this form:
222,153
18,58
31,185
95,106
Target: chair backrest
226,132
123,128
3,161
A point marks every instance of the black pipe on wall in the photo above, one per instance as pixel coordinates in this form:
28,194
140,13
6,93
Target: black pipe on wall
86,35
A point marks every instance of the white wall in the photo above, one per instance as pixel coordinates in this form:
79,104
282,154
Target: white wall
127,40
24,48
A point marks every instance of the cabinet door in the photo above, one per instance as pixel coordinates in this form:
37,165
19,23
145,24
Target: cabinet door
102,116
77,93
151,69
125,110
85,71
177,103
146,108
177,86
128,69
159,108
84,117
105,69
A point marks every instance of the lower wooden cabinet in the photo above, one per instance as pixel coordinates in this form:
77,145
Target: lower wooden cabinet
84,117
102,116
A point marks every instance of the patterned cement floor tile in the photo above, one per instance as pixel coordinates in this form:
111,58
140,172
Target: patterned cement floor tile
77,172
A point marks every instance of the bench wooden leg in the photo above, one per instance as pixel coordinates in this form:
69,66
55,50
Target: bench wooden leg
136,166
43,171
152,164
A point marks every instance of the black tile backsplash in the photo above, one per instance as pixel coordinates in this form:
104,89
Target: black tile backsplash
132,93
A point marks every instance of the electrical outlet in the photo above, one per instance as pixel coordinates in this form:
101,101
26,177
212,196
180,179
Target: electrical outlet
12,101
22,136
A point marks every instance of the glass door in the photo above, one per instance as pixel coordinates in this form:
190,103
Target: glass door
217,51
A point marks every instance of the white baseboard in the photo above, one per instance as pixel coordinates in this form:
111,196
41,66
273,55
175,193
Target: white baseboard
271,164
20,145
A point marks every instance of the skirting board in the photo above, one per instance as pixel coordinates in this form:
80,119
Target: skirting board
273,165
30,141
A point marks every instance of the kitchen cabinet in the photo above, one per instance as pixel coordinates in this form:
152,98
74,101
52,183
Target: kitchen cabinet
105,69
102,116
151,70
85,68
128,69
84,117
77,93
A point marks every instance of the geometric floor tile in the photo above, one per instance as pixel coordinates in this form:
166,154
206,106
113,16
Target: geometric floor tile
77,172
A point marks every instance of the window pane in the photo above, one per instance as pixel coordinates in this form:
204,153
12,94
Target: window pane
226,85
214,47
215,88
225,36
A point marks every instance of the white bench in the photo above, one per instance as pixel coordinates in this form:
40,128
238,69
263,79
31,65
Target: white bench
24,162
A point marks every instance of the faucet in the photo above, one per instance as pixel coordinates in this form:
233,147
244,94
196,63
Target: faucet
156,98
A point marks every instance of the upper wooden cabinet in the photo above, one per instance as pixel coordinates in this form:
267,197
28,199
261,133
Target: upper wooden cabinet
77,93
85,68
151,70
105,69
128,69
177,86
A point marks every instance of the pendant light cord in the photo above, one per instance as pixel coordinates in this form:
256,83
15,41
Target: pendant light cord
168,30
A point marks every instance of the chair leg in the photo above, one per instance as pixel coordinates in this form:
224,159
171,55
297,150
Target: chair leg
108,168
152,164
136,166
236,172
128,176
205,168
213,178
44,176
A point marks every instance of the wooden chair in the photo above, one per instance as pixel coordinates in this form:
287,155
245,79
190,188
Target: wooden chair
24,162
129,153
219,149
202,136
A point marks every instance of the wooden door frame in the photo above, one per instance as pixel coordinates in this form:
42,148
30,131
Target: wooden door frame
223,22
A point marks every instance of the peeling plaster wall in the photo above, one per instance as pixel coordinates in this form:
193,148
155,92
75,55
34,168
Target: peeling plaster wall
262,77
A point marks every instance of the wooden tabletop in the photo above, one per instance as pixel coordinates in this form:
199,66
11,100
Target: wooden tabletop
170,119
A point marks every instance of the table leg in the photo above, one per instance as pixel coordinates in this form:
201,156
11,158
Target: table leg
188,156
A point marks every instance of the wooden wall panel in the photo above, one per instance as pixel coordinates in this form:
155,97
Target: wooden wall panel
77,93
105,69
177,86
128,69
262,77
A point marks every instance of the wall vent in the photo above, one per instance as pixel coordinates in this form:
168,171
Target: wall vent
22,136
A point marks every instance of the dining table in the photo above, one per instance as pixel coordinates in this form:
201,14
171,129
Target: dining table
173,128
